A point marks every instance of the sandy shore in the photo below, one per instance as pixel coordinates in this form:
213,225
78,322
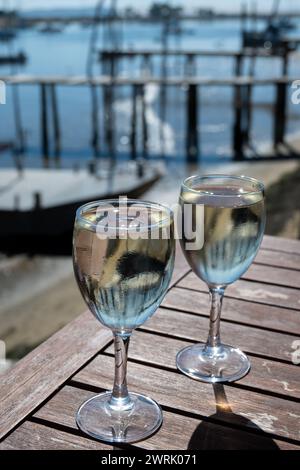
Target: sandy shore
39,295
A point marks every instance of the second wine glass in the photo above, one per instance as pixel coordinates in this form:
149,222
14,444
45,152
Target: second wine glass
123,253
223,220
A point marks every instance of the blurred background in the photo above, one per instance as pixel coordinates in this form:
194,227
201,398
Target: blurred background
116,97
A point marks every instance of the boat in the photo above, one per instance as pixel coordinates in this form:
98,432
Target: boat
286,24
269,38
8,22
50,28
20,58
7,34
273,35
37,206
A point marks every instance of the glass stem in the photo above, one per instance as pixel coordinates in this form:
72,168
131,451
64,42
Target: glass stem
120,397
216,295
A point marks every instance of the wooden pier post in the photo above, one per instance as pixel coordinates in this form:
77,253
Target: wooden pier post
147,66
280,114
192,124
108,96
144,120
18,120
237,133
44,125
95,120
56,124
190,66
133,136
285,61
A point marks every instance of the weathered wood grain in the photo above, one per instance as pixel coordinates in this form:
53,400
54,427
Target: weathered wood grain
236,310
265,375
278,259
285,245
269,414
278,276
177,431
33,436
260,342
42,371
268,294
181,268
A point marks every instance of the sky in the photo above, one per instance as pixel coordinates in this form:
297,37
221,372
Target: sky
221,5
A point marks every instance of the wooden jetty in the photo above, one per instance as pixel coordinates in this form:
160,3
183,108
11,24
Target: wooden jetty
242,104
13,59
37,206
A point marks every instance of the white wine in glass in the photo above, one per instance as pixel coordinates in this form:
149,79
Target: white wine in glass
225,241
123,254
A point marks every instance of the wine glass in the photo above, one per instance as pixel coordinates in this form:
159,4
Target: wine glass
123,254
222,224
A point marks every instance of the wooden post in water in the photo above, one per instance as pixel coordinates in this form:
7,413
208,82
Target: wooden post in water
147,65
56,124
237,134
246,113
192,124
18,120
44,125
144,120
285,61
279,115
190,66
95,120
133,137
108,95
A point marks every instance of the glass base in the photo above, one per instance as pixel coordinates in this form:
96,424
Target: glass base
133,422
213,364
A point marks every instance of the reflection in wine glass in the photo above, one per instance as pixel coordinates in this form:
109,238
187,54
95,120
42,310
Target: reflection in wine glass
230,230
123,253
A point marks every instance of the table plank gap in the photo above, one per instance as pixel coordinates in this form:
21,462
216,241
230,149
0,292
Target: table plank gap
177,431
238,385
264,317
268,275
36,436
278,259
261,343
284,245
269,377
269,414
258,292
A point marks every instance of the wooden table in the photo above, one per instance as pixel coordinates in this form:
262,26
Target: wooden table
261,315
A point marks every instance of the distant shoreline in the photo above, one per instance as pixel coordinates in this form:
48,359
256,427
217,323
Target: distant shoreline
36,18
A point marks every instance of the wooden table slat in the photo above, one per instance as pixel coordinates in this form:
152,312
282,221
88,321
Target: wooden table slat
271,414
280,276
265,376
42,371
177,432
236,310
285,245
268,344
33,436
278,259
264,293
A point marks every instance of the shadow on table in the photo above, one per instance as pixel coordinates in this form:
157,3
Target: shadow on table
211,436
